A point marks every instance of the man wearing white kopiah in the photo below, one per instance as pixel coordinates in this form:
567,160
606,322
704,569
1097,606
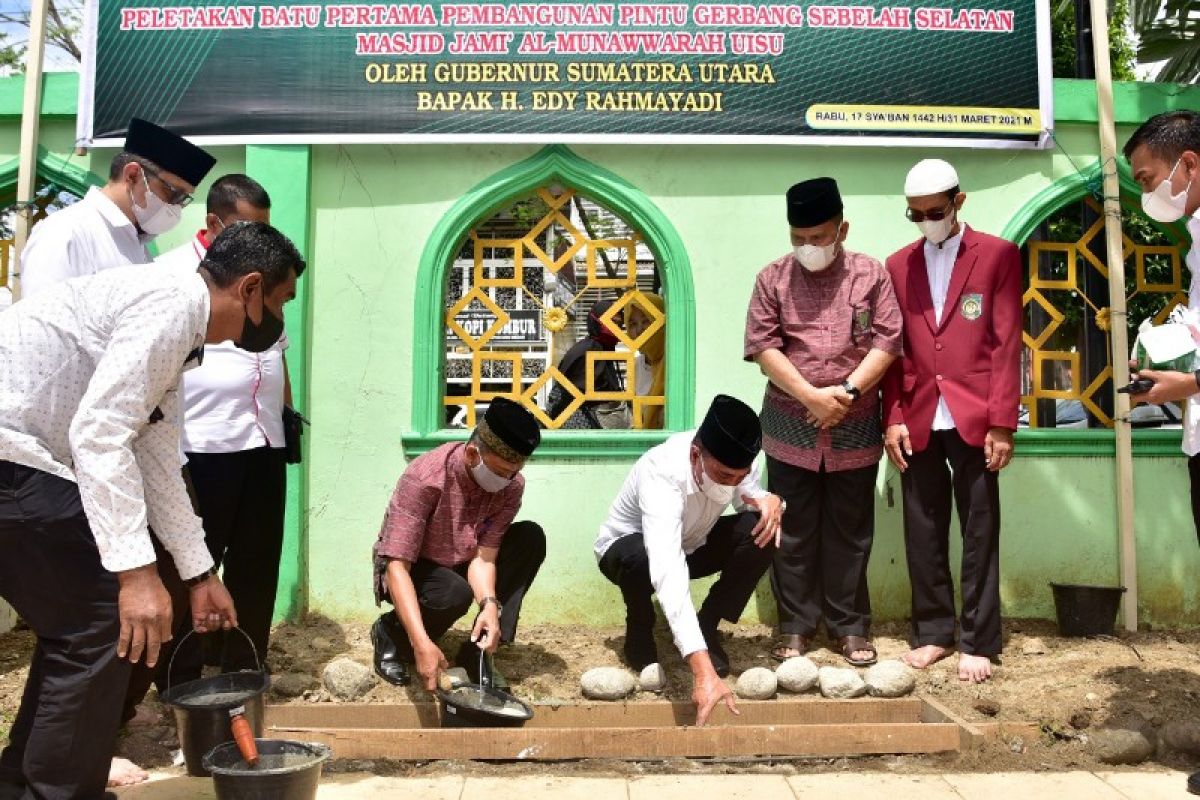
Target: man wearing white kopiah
666,527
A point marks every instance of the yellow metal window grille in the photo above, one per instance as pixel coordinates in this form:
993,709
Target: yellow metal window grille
41,210
518,296
1068,353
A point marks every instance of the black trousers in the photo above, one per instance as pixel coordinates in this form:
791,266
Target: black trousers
947,468
50,573
445,596
729,550
241,498
820,569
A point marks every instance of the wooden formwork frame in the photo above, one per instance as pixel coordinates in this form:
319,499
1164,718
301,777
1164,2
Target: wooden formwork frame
636,731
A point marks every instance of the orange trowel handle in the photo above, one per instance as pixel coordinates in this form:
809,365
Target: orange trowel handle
243,736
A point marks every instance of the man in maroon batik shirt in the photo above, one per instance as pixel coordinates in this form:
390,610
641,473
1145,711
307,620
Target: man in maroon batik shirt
448,539
823,326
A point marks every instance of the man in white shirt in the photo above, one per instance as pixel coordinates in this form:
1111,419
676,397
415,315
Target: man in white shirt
233,440
89,458
149,183
1164,155
666,527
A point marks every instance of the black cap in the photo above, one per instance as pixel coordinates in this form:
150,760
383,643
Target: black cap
814,202
510,425
168,150
731,432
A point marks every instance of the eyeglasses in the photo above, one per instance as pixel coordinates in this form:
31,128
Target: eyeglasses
936,215
175,196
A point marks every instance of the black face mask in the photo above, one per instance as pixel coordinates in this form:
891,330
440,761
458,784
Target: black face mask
259,338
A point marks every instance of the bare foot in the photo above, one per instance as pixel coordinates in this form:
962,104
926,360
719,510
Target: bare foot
922,657
123,772
975,669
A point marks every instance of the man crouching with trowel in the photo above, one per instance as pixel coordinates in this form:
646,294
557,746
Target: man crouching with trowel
448,539
666,527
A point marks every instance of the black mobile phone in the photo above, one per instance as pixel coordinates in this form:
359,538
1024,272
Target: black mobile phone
1137,386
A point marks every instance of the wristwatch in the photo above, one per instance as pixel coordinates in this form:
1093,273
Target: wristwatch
192,583
851,390
483,604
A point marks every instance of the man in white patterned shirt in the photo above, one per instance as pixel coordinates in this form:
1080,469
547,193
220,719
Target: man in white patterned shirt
89,457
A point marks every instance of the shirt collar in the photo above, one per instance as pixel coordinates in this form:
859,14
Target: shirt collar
951,245
113,214
202,241
835,268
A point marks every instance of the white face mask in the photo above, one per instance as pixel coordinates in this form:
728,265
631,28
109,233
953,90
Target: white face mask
815,258
157,216
937,232
488,480
717,492
1161,205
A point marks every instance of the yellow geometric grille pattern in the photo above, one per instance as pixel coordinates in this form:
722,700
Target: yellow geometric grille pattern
6,245
1053,293
599,272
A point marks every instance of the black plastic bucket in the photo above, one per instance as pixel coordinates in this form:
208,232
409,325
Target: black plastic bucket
286,770
1086,610
202,707
480,705
471,706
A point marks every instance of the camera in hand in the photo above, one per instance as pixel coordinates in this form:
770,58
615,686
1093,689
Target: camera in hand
1137,386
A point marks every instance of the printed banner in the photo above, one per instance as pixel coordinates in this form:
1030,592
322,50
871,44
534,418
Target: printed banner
967,72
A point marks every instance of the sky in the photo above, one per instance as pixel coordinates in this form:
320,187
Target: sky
56,59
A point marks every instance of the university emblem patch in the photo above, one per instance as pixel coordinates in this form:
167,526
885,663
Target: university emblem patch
972,306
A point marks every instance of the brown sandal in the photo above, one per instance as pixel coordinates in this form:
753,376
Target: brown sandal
790,642
852,644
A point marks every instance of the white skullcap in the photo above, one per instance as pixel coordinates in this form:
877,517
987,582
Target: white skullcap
931,176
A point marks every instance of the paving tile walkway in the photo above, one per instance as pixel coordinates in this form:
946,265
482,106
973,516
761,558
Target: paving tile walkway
1144,784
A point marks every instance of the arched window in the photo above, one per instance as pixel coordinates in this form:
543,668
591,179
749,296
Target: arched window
508,282
1067,362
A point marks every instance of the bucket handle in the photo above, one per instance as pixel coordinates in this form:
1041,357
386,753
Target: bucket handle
182,639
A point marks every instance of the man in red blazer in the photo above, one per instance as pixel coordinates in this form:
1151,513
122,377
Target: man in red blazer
950,406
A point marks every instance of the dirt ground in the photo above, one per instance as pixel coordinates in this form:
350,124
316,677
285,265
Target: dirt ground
1067,687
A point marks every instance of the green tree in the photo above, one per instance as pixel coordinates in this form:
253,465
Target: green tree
1169,32
1120,45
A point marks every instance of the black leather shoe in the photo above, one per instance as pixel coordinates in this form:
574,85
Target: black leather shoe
640,650
387,655
1194,783
468,659
716,651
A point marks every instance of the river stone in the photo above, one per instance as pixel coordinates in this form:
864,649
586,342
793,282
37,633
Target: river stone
757,683
1182,736
797,674
1117,746
839,683
652,679
890,679
347,679
607,683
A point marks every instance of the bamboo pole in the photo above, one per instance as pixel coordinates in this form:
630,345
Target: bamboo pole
31,112
1119,329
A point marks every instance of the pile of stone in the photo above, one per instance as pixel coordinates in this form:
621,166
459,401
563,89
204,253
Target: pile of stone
796,676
